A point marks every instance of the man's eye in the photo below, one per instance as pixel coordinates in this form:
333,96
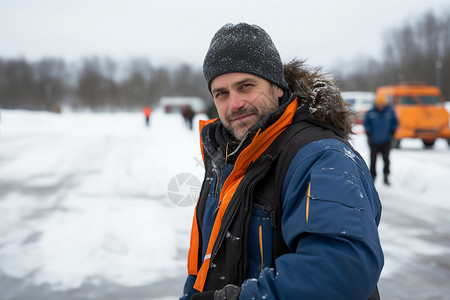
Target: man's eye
220,94
245,85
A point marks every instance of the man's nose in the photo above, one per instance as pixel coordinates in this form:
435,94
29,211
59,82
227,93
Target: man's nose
236,101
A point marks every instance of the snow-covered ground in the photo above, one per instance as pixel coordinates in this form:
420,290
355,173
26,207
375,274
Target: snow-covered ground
91,203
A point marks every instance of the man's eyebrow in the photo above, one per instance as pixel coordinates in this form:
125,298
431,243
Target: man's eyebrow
235,84
219,89
245,80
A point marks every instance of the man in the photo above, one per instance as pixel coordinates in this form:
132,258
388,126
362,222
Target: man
147,110
287,209
188,115
380,123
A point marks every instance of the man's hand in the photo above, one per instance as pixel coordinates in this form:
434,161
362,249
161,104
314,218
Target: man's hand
209,295
229,292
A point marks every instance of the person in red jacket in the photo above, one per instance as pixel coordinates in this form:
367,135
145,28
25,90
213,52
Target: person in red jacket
147,112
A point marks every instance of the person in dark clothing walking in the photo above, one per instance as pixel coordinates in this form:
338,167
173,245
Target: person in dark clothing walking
287,208
380,123
188,115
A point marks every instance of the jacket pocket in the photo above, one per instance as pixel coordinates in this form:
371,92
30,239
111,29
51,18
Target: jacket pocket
335,205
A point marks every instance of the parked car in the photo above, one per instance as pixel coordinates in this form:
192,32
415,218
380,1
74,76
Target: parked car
360,103
178,104
421,112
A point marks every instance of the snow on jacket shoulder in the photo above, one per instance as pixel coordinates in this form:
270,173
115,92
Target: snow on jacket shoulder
330,216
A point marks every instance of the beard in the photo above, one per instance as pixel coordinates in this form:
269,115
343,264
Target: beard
239,128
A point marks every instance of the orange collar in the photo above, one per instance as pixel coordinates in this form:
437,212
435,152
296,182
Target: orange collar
261,141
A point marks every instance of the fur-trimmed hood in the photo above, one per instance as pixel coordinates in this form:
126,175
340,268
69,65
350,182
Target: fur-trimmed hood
320,94
319,100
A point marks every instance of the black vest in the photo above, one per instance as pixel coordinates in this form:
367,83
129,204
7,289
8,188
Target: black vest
261,185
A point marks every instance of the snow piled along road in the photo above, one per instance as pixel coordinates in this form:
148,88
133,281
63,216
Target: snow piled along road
84,199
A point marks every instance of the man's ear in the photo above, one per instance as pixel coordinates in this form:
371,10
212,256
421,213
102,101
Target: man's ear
280,92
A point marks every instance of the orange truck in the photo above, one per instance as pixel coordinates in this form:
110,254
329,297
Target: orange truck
420,110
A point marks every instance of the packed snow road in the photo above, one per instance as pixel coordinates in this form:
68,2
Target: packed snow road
415,226
98,206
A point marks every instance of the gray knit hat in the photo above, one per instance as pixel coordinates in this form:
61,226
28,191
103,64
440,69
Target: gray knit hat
243,48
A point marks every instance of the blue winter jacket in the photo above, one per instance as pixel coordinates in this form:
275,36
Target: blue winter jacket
380,125
332,233
330,216
329,212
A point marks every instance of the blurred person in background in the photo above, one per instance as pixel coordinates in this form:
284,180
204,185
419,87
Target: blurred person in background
380,124
147,110
188,115
287,209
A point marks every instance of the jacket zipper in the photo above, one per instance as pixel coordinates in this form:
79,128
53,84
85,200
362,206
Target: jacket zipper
261,247
269,210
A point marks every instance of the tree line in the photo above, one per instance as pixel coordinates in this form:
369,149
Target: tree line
415,52
97,84
418,51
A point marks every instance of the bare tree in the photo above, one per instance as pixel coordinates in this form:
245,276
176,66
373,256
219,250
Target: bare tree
17,85
49,87
97,88
413,52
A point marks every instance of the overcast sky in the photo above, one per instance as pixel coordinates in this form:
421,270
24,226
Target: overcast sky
325,32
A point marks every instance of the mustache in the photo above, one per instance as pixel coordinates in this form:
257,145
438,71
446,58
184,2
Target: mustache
242,112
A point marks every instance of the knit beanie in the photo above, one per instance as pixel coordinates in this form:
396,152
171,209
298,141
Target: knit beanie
243,48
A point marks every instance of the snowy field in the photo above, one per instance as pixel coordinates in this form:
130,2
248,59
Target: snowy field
93,206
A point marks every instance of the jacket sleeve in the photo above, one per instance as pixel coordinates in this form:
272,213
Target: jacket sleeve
188,289
394,122
330,216
367,123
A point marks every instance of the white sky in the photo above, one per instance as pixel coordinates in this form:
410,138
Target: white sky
325,32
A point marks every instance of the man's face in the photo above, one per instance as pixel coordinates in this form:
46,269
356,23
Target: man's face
380,105
243,99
